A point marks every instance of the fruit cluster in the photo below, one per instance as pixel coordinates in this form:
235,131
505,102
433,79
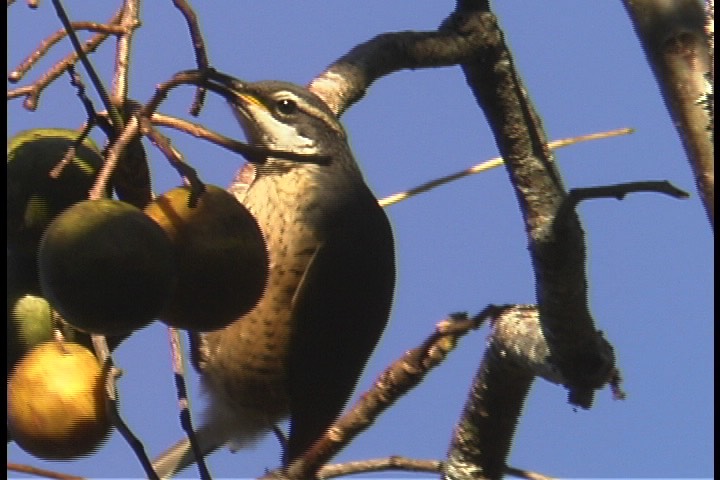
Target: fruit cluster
77,267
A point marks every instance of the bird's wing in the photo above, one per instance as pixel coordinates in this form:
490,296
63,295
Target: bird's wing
340,311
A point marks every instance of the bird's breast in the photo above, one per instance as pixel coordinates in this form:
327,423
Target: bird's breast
246,363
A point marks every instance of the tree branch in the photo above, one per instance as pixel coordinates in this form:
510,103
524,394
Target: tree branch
676,45
580,356
577,349
401,376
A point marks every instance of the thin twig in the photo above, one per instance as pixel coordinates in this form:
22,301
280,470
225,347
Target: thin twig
183,403
19,72
201,57
32,92
187,172
394,462
129,21
76,82
621,190
40,472
519,473
493,163
94,77
129,133
110,376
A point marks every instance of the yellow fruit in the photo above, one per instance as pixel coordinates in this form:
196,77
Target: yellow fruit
220,255
55,402
106,267
30,322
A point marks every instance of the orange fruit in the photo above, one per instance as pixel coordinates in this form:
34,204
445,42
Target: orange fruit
220,255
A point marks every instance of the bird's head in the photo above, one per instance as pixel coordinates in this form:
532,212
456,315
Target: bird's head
284,116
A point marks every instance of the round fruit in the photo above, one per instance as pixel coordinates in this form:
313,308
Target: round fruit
220,254
29,323
30,319
34,198
106,267
56,403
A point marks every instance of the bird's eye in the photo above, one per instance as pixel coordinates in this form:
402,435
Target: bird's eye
286,106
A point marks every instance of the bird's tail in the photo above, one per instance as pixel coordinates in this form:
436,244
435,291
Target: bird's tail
238,428
180,455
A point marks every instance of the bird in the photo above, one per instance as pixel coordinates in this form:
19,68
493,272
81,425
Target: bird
300,351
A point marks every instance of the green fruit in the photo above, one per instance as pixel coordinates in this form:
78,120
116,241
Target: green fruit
34,198
29,323
55,402
106,267
220,255
33,317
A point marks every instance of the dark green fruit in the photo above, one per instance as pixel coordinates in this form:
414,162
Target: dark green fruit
34,198
106,267
21,268
221,257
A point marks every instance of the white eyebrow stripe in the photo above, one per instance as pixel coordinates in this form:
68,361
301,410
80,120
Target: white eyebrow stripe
329,120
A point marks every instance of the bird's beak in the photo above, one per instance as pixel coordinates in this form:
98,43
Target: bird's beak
244,104
246,107
234,90
225,84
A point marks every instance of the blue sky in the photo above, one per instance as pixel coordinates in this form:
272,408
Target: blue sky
461,246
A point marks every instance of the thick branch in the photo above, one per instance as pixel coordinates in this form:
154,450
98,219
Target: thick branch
472,36
403,375
559,262
345,81
583,360
676,46
483,436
